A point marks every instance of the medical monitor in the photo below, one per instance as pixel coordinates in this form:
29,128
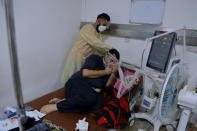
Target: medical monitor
161,50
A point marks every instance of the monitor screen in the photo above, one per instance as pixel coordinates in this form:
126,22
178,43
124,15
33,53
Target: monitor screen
160,51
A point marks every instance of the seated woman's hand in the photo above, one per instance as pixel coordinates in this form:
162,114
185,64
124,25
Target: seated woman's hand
108,70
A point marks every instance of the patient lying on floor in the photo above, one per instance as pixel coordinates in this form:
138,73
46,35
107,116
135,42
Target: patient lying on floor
83,91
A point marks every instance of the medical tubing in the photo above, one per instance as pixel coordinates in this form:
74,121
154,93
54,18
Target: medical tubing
142,58
174,50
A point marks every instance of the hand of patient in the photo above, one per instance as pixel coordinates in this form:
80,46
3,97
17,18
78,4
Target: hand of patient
114,68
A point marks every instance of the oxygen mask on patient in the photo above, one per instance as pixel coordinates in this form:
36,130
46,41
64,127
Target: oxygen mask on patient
109,60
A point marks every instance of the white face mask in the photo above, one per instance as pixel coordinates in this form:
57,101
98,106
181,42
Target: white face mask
102,28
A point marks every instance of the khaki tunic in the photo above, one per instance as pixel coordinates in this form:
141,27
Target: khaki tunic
88,42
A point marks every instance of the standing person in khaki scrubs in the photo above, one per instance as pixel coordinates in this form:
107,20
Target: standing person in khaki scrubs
88,42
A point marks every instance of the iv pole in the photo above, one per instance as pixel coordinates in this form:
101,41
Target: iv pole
14,59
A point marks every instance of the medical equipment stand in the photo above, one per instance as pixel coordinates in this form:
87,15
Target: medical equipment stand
14,60
154,117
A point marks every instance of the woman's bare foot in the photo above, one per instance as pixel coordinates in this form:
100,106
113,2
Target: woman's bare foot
48,108
55,100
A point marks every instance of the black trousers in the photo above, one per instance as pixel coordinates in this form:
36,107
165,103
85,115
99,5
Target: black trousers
80,99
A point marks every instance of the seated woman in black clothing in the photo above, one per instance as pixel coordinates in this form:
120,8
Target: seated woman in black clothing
83,91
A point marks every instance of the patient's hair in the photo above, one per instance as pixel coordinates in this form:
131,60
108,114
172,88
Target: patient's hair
103,16
114,51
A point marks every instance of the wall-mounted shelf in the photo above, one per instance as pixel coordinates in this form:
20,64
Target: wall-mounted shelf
143,31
